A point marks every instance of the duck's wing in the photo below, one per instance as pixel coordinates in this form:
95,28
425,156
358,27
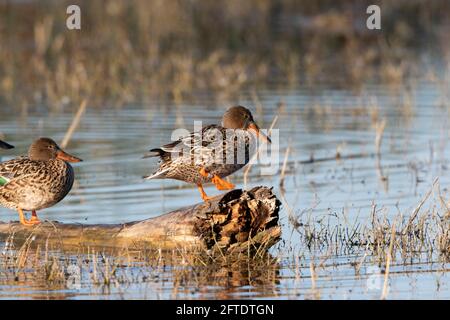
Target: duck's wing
203,141
197,148
16,169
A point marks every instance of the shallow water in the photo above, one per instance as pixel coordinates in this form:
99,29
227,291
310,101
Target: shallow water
312,123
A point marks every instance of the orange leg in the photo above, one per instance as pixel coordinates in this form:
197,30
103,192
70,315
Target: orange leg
203,173
222,184
34,217
203,193
25,222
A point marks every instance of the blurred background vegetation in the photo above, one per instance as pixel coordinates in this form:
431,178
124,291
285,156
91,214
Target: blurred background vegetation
132,51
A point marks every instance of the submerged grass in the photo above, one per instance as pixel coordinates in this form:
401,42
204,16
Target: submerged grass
92,268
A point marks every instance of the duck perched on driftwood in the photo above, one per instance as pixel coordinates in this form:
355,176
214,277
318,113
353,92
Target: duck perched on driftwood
211,154
238,221
37,181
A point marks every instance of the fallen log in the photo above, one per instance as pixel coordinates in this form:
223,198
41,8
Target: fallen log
238,221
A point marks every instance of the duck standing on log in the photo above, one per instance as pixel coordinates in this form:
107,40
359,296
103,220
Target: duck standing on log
211,154
37,181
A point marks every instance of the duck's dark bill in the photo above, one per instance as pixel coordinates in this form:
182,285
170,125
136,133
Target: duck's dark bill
67,157
5,145
258,132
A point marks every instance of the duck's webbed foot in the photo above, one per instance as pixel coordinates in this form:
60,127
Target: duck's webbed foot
222,184
28,223
34,218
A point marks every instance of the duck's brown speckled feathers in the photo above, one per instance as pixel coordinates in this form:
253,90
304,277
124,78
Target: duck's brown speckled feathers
211,154
34,184
208,149
37,181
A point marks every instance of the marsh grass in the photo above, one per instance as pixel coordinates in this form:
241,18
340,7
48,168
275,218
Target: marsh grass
422,233
405,239
129,51
116,270
135,51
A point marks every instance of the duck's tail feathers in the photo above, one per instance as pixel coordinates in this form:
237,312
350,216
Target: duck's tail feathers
157,175
4,145
154,153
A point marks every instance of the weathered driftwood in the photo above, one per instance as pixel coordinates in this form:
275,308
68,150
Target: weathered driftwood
238,221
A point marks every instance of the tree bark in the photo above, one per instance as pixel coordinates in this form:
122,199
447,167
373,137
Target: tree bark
238,221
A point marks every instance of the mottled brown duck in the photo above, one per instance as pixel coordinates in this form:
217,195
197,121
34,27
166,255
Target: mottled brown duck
211,154
37,181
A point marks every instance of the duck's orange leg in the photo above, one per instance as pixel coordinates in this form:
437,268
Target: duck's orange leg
219,182
25,222
222,184
203,173
34,218
203,193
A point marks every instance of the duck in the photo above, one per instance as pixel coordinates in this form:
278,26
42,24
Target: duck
210,154
4,145
36,181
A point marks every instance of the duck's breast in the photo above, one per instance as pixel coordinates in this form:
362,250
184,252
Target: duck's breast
233,154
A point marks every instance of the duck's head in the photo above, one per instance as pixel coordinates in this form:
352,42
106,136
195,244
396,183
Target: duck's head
239,117
46,149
